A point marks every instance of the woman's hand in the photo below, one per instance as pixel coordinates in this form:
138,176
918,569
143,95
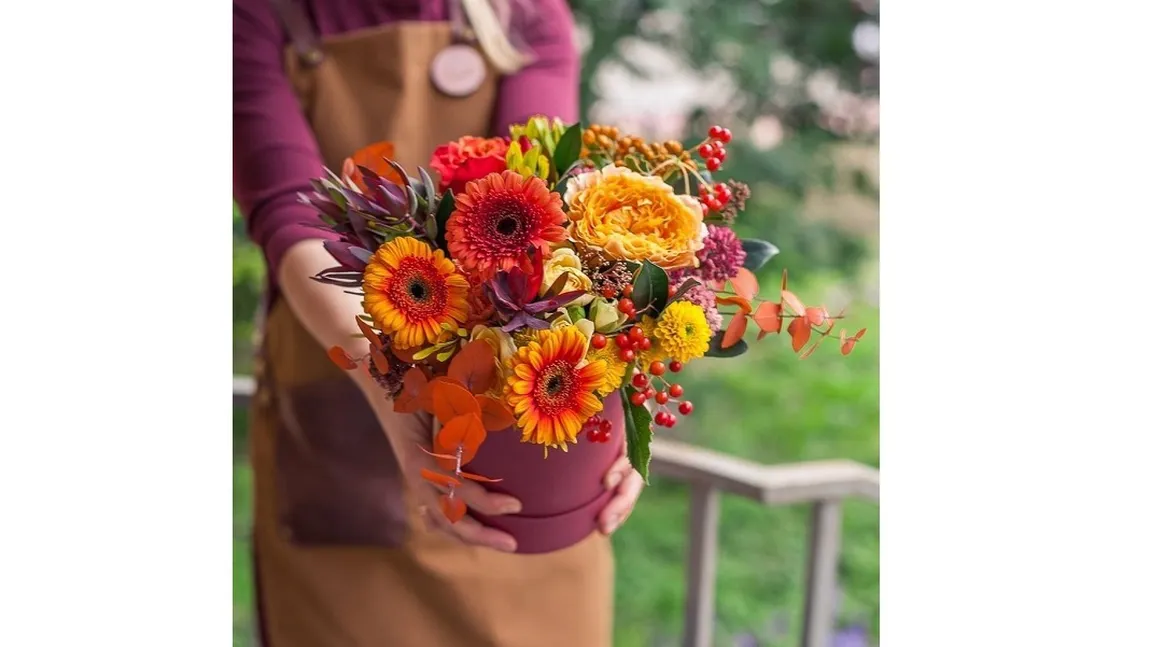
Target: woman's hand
328,313
627,484
410,434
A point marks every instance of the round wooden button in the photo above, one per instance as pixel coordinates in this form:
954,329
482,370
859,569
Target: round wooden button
458,70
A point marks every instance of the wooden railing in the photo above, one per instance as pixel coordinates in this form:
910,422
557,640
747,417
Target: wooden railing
822,484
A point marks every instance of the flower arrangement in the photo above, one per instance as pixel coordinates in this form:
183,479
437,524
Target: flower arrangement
542,272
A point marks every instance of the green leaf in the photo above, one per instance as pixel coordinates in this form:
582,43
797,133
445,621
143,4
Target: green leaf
758,253
638,423
446,208
650,288
716,350
567,150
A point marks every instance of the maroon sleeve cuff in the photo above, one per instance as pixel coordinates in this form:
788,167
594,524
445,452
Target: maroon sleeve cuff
289,228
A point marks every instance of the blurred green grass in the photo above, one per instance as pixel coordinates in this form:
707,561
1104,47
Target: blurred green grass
766,406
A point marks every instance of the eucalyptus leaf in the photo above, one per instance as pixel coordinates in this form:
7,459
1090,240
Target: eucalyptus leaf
716,350
758,253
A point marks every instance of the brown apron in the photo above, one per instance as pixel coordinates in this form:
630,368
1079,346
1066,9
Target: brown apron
340,559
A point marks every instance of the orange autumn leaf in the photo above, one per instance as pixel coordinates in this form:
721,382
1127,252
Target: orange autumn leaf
375,158
449,400
371,335
768,319
800,331
341,358
742,302
406,355
380,360
478,478
439,479
496,415
464,432
452,507
847,344
745,284
735,331
793,302
474,367
716,286
816,316
413,397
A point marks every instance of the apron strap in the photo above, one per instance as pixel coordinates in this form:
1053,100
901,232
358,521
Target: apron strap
299,30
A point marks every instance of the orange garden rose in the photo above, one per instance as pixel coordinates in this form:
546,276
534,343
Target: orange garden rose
635,217
467,159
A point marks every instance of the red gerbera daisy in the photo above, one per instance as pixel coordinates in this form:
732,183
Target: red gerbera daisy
498,219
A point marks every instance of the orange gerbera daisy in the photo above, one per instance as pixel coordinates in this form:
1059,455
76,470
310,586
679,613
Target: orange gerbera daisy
551,387
412,292
498,219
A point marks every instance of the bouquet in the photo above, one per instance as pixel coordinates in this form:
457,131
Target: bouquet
542,272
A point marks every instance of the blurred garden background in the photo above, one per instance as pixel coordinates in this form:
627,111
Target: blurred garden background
797,83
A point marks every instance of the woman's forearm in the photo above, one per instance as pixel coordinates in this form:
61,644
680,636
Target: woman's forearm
326,311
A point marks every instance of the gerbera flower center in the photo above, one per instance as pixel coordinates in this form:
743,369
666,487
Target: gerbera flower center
505,222
418,290
507,225
555,387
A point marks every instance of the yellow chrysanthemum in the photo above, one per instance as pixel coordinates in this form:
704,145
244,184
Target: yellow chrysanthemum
682,331
551,387
635,217
616,368
412,292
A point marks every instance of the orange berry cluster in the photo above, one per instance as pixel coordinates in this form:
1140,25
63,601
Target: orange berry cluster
607,140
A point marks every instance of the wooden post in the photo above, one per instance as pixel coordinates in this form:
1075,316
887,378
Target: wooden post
702,556
822,566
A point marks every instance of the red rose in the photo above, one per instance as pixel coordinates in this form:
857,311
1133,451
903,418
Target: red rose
467,159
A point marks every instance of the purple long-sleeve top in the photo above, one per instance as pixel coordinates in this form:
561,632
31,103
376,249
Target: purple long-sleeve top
274,154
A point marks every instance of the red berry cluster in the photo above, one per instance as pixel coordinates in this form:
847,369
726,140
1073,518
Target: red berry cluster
716,200
714,149
598,429
628,343
668,394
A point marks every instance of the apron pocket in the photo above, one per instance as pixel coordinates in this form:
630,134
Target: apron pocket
337,478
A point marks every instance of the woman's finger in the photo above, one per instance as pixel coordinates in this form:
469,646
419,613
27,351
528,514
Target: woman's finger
620,506
472,532
616,473
484,502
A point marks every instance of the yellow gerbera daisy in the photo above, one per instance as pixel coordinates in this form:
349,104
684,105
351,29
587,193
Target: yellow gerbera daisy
412,292
551,387
683,332
616,368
